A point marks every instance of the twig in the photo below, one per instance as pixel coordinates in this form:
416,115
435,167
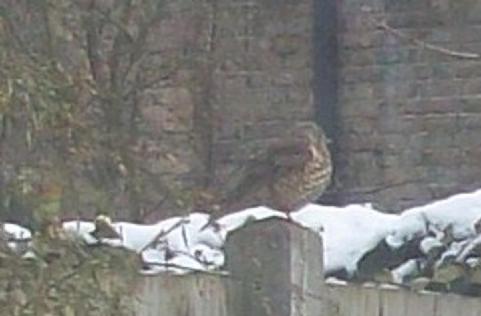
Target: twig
383,25
163,233
442,50
184,236
18,240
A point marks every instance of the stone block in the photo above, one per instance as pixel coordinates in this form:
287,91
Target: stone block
358,57
444,71
357,91
397,90
367,74
447,105
469,104
396,54
467,70
361,40
359,142
407,5
472,87
413,20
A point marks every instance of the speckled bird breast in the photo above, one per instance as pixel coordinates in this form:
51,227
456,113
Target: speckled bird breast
299,187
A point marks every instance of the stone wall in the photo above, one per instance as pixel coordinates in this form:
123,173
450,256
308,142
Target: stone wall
251,80
250,77
409,117
244,75
262,69
221,78
171,96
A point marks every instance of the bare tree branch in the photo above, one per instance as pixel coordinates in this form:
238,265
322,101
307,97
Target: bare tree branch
424,45
384,26
163,233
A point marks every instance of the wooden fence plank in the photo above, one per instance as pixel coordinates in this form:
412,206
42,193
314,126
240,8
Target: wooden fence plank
393,302
357,301
193,295
421,304
455,305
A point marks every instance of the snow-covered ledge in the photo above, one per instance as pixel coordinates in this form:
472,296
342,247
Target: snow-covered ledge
274,267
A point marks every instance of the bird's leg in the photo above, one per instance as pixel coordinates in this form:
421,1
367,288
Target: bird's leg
285,208
289,217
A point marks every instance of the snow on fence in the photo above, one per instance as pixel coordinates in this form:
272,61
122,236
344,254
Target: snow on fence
275,269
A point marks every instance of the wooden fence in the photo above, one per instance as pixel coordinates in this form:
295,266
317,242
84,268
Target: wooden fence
356,300
275,269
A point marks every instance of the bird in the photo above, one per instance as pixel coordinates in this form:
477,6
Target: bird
104,229
285,175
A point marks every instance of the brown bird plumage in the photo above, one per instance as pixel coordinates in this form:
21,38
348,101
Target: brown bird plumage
104,228
285,176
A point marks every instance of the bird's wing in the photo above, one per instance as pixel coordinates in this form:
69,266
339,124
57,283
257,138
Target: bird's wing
264,168
105,230
245,180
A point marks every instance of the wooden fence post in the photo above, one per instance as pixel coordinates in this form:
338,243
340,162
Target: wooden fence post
276,270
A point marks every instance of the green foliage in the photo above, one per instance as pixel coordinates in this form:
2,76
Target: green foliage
72,133
67,278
